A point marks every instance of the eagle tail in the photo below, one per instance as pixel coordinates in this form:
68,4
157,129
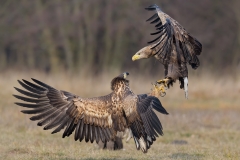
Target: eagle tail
142,144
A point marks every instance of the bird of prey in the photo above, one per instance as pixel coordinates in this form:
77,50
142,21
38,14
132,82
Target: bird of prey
174,48
94,119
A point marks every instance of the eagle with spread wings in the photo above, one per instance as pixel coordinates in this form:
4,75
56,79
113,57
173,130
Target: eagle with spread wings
174,48
94,119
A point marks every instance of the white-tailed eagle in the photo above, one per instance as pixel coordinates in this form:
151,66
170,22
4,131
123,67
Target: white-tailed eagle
174,48
94,119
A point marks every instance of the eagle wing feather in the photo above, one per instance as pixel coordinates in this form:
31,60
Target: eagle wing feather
142,120
91,118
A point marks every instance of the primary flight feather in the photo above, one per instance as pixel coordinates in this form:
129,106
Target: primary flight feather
94,119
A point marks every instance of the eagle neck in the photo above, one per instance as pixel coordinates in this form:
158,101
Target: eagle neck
122,89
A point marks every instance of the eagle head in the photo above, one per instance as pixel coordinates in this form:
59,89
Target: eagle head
143,53
119,80
124,75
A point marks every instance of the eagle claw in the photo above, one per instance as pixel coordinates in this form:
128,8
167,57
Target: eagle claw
166,82
160,89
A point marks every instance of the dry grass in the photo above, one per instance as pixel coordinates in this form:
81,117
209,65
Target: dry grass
206,126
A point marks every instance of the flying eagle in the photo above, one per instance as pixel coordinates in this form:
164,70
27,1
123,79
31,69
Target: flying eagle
94,119
174,48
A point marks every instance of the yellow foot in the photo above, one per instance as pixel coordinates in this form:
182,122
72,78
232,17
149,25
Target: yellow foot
166,82
159,90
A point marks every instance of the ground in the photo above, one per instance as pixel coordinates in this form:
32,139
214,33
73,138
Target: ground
206,126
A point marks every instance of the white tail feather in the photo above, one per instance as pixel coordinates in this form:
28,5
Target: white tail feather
136,143
143,145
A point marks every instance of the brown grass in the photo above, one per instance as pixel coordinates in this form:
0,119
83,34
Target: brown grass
206,126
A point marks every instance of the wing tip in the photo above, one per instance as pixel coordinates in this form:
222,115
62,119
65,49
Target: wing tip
22,111
33,118
16,96
34,79
24,80
152,7
39,124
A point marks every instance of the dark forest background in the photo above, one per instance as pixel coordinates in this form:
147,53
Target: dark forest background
102,35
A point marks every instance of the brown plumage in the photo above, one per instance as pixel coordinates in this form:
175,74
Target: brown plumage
174,48
94,119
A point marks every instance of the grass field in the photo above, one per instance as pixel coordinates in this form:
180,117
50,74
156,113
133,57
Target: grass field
206,126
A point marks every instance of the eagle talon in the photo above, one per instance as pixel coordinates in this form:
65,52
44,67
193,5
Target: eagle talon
165,81
162,94
160,89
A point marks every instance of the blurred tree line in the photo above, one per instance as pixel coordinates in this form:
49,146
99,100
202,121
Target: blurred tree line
102,35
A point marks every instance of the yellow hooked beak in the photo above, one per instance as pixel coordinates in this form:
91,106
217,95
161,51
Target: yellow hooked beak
135,57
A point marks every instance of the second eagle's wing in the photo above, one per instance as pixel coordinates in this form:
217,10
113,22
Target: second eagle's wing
91,118
142,120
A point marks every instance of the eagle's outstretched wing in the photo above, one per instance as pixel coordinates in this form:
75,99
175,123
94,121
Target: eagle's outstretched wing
90,118
172,36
